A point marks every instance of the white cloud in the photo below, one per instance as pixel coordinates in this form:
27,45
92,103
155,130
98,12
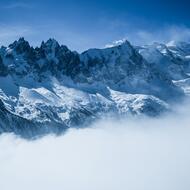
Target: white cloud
163,35
16,5
142,154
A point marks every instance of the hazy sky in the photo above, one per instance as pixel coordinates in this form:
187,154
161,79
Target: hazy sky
81,24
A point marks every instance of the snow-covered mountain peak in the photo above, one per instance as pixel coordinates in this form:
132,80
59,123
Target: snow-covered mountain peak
20,46
174,43
50,46
54,88
117,43
171,43
50,43
123,47
179,48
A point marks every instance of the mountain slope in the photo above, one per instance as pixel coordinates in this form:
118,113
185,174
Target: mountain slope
50,88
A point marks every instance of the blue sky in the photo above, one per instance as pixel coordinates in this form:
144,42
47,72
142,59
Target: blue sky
82,24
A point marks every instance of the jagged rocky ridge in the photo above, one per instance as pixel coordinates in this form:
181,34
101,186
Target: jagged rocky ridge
50,88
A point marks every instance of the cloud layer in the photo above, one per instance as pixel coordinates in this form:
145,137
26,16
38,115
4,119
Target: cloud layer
134,154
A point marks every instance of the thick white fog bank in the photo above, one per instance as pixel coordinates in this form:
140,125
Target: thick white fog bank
135,154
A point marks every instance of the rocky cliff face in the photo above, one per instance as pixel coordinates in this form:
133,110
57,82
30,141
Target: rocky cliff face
50,88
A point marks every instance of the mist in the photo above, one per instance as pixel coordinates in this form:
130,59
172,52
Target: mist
133,154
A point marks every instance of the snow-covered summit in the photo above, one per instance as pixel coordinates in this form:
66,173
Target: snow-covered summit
180,48
117,43
51,88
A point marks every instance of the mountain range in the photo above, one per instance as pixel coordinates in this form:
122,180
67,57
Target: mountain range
49,89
